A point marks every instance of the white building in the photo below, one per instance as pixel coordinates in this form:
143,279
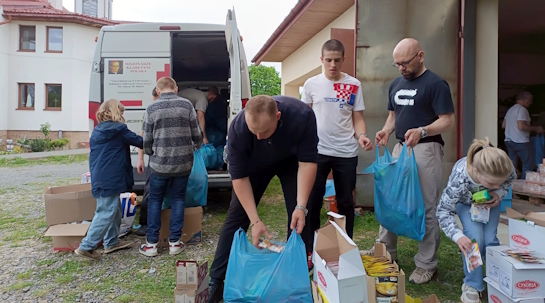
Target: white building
46,54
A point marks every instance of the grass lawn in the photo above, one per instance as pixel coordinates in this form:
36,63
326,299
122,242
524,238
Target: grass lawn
18,162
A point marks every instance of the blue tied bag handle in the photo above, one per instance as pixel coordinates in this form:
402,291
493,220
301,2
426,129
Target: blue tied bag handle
261,276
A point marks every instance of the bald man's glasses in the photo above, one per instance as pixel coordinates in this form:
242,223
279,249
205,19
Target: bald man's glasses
406,63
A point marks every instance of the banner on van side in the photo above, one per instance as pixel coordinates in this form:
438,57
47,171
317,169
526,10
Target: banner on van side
131,80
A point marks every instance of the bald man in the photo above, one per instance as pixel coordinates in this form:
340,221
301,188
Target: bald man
420,110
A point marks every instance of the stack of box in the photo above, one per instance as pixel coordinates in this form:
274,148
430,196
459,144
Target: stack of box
510,280
191,282
68,214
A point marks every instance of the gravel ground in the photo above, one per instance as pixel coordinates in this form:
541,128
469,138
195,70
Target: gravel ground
30,271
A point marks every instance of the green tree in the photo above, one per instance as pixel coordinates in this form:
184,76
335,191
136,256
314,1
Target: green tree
265,80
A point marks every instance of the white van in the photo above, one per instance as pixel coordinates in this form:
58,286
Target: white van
130,58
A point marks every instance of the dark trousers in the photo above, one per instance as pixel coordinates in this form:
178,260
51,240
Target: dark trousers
144,205
159,186
344,174
237,218
524,152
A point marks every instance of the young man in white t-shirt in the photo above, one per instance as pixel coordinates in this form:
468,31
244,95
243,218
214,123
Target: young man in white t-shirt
517,133
337,101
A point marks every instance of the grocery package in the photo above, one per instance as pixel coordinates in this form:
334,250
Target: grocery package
479,213
128,212
86,178
535,178
399,204
526,256
518,185
541,168
260,275
532,188
191,282
383,277
481,197
473,258
276,247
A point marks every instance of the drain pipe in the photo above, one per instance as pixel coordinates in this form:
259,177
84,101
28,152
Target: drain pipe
6,22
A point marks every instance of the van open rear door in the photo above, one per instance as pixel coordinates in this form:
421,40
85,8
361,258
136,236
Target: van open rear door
240,79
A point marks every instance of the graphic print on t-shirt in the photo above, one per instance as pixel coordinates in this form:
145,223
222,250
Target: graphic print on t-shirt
405,97
346,93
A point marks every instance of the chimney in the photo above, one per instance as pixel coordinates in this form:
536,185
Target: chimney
57,4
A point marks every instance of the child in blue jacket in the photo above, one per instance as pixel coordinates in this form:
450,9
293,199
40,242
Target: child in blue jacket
111,171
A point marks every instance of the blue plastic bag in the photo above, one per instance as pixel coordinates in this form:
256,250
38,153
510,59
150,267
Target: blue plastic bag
209,155
197,185
215,137
259,276
399,204
538,142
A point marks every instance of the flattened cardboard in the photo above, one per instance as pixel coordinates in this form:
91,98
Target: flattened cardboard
381,251
192,296
190,274
192,230
333,244
67,237
66,204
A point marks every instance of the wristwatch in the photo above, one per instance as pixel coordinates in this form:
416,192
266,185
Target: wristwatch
302,208
424,133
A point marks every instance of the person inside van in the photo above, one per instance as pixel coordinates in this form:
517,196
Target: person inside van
171,131
216,117
200,100
271,136
140,168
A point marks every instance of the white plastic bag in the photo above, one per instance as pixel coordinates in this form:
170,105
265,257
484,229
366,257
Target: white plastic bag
128,212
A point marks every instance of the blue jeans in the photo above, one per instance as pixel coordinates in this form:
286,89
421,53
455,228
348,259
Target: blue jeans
159,185
484,234
105,225
524,152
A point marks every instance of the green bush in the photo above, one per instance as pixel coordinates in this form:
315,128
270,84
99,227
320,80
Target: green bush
38,145
59,143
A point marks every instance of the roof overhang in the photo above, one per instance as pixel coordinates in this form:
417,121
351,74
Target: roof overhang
78,19
305,20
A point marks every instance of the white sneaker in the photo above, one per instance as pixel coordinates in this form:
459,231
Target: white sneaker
149,249
470,294
176,247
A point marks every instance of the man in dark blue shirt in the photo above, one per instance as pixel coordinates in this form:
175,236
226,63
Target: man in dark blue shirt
420,110
272,136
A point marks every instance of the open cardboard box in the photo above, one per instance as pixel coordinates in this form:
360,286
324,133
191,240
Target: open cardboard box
527,231
331,244
192,230
380,251
190,274
65,205
496,296
191,295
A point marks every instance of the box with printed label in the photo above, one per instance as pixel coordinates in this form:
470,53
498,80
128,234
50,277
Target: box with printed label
496,296
527,231
191,295
516,279
190,275
338,267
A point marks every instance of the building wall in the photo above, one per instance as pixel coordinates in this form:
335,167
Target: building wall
381,25
4,67
71,68
486,70
305,61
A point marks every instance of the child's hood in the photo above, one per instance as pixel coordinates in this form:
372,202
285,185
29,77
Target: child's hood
105,131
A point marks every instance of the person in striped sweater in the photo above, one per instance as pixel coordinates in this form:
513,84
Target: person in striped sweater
171,133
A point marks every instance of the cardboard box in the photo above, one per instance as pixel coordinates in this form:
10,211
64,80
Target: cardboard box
430,299
527,235
192,296
192,230
68,204
516,279
380,251
496,296
190,275
331,243
317,294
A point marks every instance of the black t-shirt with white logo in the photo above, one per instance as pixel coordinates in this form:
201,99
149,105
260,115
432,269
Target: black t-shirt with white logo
418,103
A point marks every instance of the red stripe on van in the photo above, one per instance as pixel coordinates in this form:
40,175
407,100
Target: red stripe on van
131,102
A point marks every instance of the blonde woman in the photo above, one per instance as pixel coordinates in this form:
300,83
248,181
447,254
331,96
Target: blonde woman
111,171
485,167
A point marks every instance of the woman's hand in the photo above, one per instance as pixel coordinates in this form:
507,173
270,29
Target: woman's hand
465,244
495,201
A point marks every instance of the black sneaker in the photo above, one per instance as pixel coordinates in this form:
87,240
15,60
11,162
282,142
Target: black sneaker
215,292
142,231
